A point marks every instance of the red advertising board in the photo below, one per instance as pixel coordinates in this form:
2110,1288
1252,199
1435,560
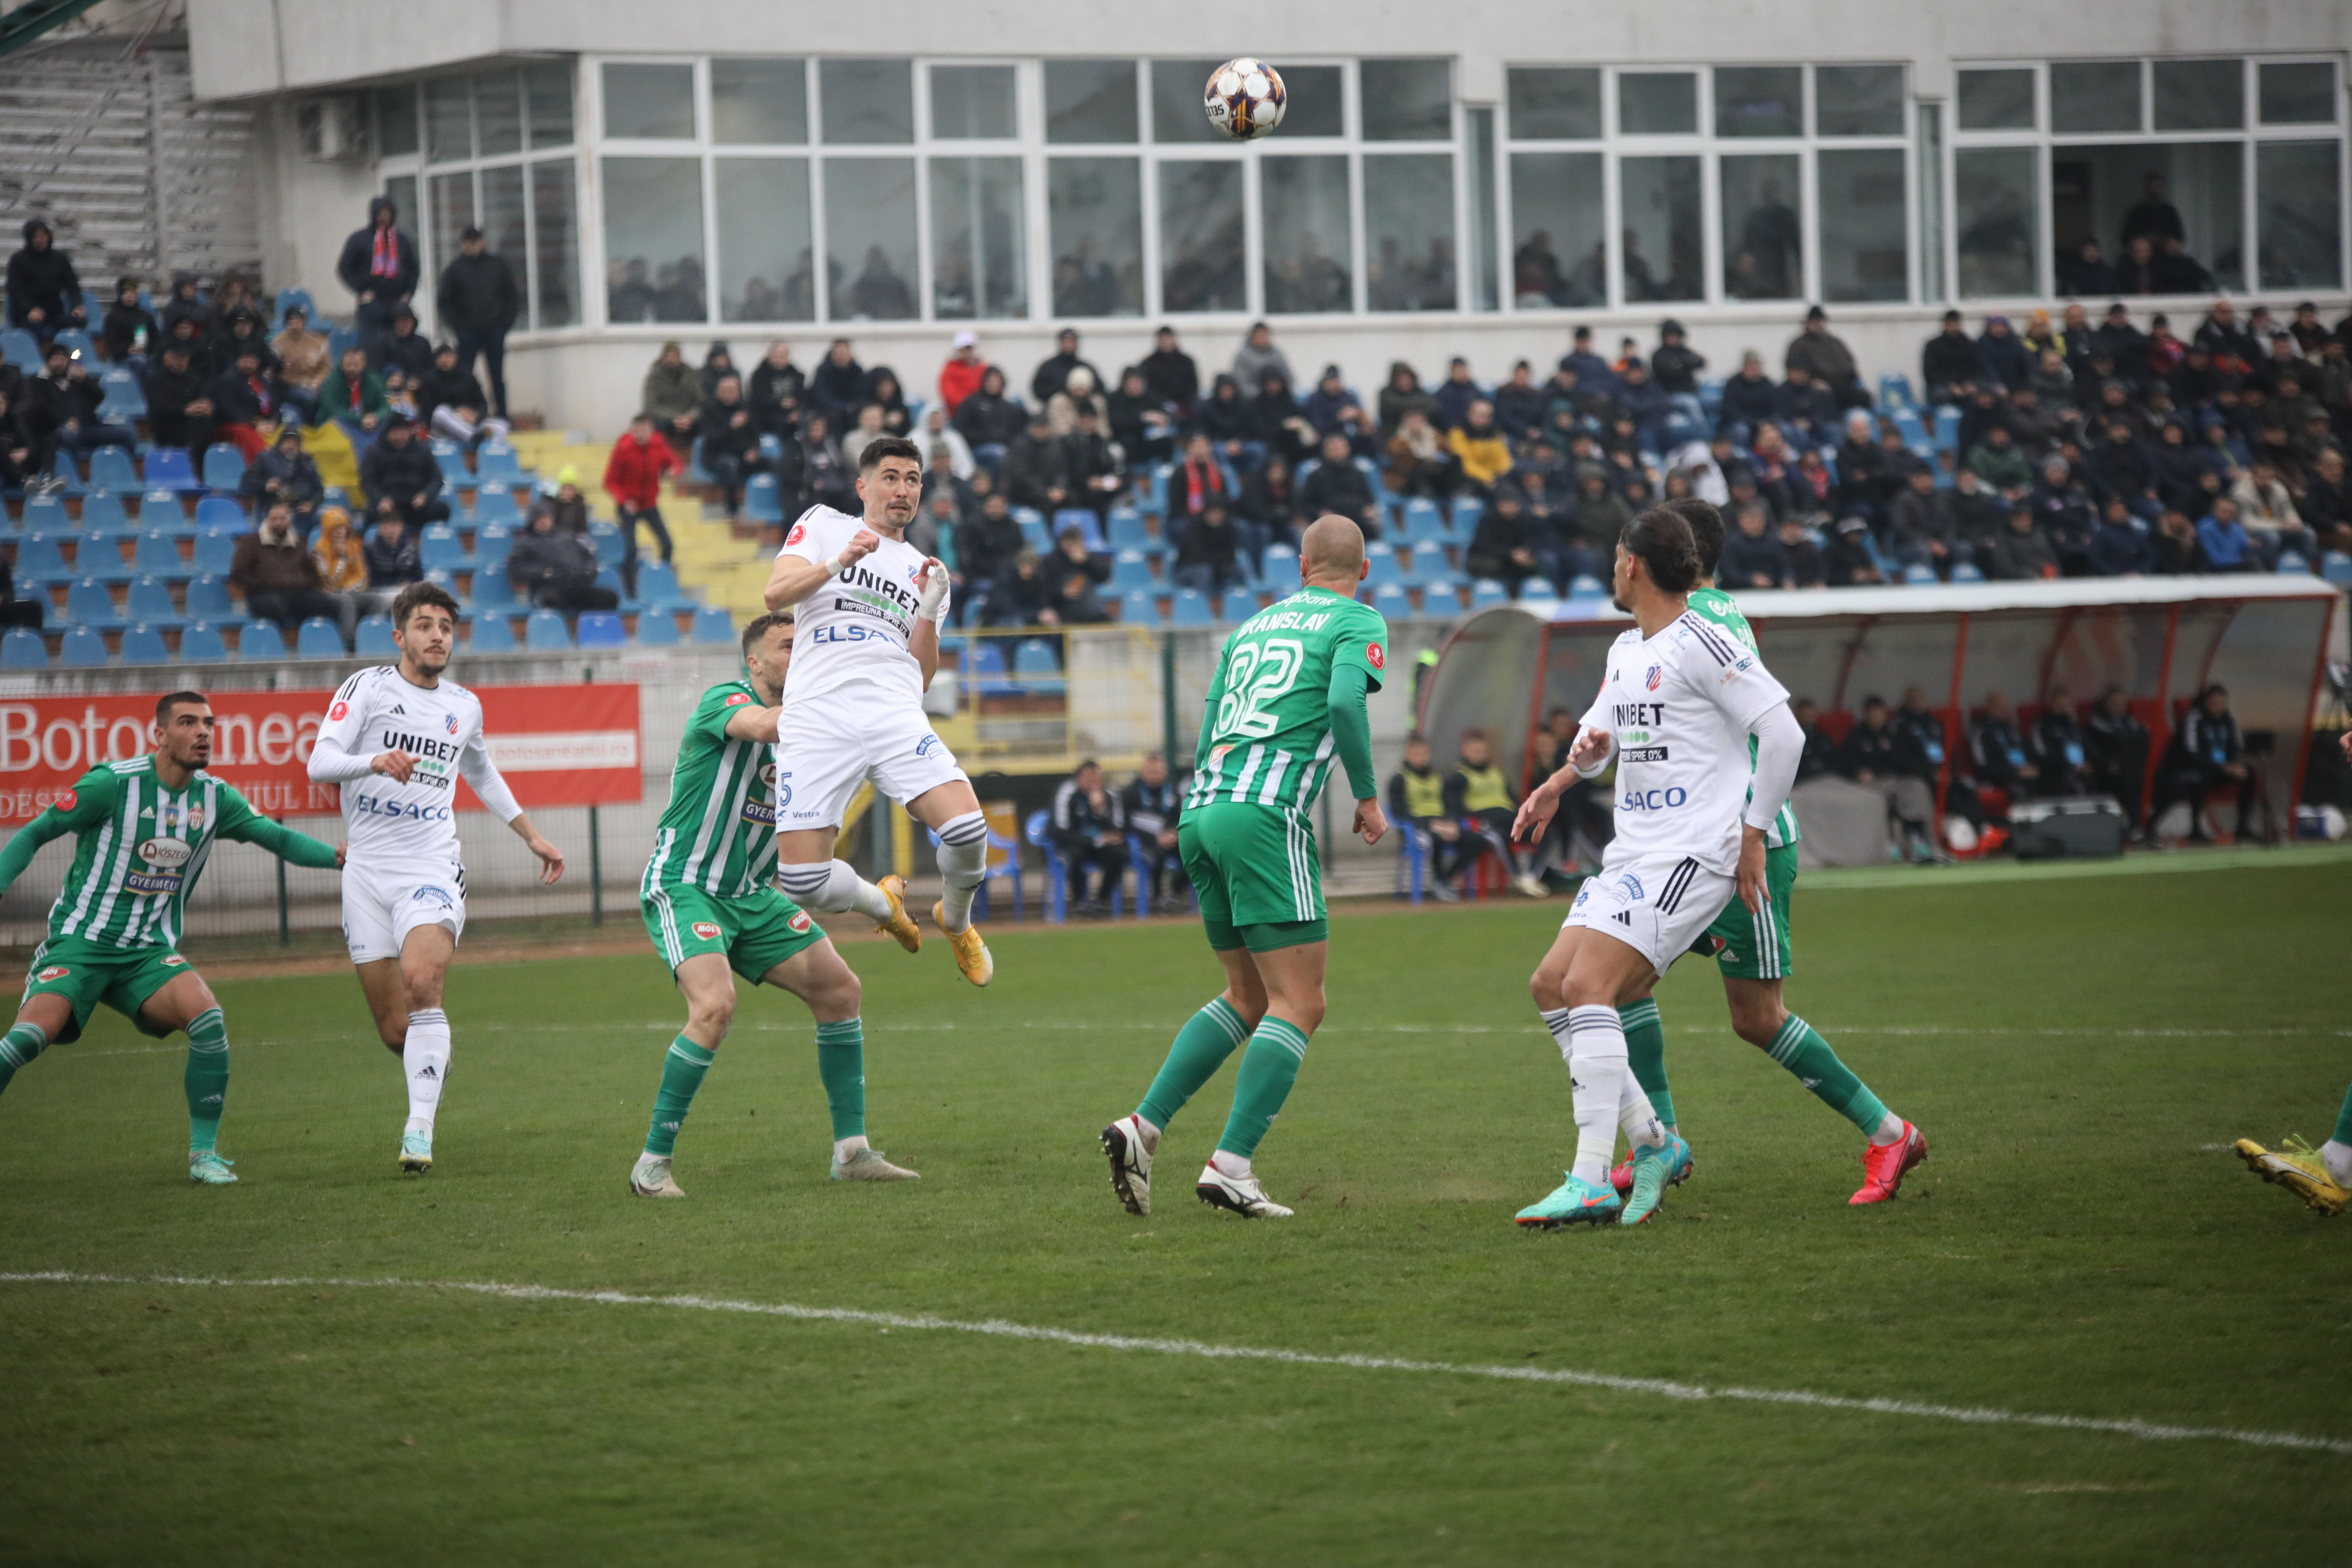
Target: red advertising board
557,745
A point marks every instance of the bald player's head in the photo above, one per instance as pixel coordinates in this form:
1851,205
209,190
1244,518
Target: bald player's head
1331,553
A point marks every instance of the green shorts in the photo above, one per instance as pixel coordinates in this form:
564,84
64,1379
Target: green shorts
756,932
86,975
1757,947
1256,873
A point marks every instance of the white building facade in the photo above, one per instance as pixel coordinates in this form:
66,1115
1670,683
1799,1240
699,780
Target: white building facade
1476,182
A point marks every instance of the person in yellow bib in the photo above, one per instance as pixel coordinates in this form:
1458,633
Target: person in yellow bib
1480,798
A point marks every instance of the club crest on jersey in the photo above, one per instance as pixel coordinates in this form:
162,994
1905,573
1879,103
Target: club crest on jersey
450,720
54,972
707,930
1374,657
799,922
1657,673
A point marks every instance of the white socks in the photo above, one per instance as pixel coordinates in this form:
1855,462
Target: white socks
1148,1132
843,1148
424,1058
1237,1166
834,887
1890,1130
1592,1042
964,865
2338,1158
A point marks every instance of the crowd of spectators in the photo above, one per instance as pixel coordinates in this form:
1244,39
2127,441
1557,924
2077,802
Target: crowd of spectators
1099,834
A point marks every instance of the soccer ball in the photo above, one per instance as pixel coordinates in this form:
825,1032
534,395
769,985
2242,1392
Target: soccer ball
1245,98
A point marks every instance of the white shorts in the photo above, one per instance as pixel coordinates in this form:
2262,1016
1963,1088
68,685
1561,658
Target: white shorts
1659,904
381,907
828,745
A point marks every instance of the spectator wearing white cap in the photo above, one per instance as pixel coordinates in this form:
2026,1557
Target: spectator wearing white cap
960,377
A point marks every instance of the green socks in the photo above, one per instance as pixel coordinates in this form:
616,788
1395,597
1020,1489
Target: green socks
841,1063
1202,1046
1804,1053
18,1048
206,1080
682,1072
1269,1067
1645,1053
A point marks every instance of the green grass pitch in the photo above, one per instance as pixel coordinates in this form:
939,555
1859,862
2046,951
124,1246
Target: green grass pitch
2080,1051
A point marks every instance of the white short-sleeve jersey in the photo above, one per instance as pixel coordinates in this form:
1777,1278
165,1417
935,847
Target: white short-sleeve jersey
407,827
1680,706
855,628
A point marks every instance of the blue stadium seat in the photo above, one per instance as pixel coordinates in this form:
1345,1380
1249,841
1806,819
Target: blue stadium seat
656,627
97,555
492,592
1918,576
21,348
159,556
1538,595
373,639
1467,510
439,548
984,670
714,627
216,553
1894,391
88,603
1385,572
291,298
1131,573
145,645
1948,428
452,464
601,628
1966,571
101,513
110,469
1089,528
168,469
151,604
338,339
1139,609
1390,600
23,648
1423,520
1585,586
2290,564
219,514
202,644
491,543
76,340
121,400
762,500
492,633
1128,531
610,577
47,514
224,469
545,632
496,460
1033,528
606,538
62,468
2335,565
1486,592
318,638
1237,605
1280,576
85,649
261,640
1035,668
39,559
161,509
1429,564
208,600
1191,609
496,503
657,586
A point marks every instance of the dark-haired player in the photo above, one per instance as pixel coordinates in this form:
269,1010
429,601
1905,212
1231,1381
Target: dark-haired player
142,831
1677,705
1753,951
710,907
397,738
870,606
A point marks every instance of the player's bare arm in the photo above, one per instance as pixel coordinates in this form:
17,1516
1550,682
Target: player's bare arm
755,724
792,579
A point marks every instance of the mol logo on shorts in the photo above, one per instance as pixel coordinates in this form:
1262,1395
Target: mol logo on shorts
799,922
707,930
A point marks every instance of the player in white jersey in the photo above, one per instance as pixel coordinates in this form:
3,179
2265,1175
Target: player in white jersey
397,738
1677,706
870,606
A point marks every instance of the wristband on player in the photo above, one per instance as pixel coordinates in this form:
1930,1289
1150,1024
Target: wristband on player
933,605
833,564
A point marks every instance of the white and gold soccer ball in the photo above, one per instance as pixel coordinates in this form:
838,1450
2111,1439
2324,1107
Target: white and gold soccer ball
1245,98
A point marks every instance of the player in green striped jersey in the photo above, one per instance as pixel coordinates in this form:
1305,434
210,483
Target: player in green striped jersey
711,906
142,831
1754,953
1288,700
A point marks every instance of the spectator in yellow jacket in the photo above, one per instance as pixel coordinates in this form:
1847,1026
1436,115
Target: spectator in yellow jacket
1485,456
342,567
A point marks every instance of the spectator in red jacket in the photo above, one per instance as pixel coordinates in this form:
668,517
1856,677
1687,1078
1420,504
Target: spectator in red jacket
960,377
633,477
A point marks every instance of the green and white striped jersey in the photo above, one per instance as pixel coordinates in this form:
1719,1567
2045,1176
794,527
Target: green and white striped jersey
1714,605
1267,739
719,831
139,849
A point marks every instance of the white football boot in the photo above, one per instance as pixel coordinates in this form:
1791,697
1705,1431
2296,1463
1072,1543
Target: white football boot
1238,1195
651,1179
1130,1163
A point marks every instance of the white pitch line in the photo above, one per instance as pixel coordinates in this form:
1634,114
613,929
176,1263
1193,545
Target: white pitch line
997,1327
